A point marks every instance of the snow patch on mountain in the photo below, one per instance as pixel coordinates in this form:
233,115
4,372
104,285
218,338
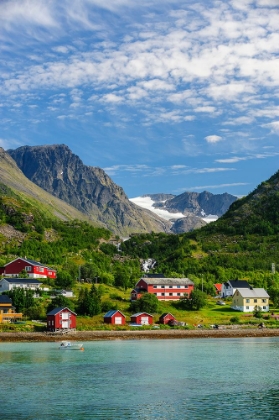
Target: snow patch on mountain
147,203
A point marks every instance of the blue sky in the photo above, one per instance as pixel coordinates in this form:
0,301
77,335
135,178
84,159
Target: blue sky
164,95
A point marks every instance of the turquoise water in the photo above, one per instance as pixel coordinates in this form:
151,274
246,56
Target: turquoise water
148,379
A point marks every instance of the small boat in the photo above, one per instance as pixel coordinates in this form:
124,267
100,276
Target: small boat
68,345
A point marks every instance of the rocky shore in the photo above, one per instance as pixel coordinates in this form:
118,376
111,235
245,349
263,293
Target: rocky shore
138,334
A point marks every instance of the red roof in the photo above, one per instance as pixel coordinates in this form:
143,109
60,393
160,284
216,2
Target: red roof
218,286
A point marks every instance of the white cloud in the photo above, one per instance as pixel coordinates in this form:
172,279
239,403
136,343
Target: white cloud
213,139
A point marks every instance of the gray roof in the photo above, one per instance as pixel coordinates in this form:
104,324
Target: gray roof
253,293
5,299
22,281
167,281
141,313
237,284
57,310
113,312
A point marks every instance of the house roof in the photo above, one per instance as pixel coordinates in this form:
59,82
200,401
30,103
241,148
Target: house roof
5,299
57,310
253,293
157,275
31,262
17,280
167,281
112,312
218,286
237,284
141,313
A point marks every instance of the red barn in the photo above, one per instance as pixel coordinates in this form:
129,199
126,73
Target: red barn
114,317
142,318
164,288
60,319
34,269
166,318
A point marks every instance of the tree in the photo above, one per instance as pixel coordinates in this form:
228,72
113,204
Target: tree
147,303
60,301
195,302
22,299
89,302
64,279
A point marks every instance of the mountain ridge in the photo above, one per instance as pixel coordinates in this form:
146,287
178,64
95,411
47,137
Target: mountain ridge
89,189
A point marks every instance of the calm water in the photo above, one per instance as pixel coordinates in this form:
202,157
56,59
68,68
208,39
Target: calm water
160,379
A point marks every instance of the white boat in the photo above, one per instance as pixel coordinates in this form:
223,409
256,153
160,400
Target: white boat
68,345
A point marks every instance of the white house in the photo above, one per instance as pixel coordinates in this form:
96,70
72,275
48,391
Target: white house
230,286
9,283
246,300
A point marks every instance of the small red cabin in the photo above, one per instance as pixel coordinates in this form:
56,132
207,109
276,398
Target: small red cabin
114,317
142,318
60,319
34,269
166,318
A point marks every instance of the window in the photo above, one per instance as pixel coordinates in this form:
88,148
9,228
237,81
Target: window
186,287
170,287
247,307
247,301
178,286
178,294
264,300
155,287
255,300
28,268
155,294
264,307
170,294
41,269
163,294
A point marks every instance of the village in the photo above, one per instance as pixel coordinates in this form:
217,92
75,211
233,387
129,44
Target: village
238,294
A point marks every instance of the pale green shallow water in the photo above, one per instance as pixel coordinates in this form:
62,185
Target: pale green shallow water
145,379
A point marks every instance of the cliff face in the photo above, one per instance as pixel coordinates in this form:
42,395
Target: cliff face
61,173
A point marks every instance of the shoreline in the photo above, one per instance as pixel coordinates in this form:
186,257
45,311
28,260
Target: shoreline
137,335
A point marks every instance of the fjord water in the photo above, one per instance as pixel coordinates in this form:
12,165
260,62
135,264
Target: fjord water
141,379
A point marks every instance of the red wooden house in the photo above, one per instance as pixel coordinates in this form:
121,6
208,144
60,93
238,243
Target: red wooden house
34,269
60,319
164,288
142,318
115,317
166,318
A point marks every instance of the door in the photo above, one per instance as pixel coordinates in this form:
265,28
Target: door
144,320
118,320
65,324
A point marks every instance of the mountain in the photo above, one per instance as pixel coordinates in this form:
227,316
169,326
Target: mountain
187,211
200,204
89,189
12,177
243,243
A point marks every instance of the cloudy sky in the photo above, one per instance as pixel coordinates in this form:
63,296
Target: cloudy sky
164,95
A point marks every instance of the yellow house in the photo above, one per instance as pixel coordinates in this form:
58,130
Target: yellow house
246,300
7,311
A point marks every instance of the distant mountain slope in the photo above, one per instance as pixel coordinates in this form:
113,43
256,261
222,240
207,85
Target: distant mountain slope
199,204
12,177
60,172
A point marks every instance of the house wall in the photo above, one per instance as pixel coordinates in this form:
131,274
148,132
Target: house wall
54,322
248,304
166,319
15,267
138,319
4,286
112,320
